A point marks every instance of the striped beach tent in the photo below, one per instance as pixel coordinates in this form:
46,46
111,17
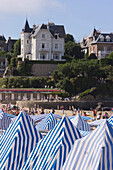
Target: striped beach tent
84,133
93,152
111,120
48,123
96,122
17,142
52,150
84,117
40,117
4,121
80,123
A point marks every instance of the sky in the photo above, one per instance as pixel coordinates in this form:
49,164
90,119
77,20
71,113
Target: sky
79,17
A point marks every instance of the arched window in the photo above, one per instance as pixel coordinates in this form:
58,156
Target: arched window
101,38
108,38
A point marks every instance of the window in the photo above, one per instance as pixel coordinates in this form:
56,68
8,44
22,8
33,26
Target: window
42,56
101,38
43,35
56,46
43,45
55,56
27,41
107,38
56,36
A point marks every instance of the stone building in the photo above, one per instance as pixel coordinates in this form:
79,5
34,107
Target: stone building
10,43
101,44
3,46
42,42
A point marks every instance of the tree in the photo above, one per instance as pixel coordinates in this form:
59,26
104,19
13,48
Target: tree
17,48
69,37
2,53
92,56
73,50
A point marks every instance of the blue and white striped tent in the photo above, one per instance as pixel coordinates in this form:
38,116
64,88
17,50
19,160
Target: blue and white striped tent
93,152
80,123
52,150
4,121
96,122
17,142
84,117
111,120
40,117
48,123
84,133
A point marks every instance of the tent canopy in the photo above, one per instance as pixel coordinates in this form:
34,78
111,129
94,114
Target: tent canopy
18,141
94,151
48,123
52,150
80,123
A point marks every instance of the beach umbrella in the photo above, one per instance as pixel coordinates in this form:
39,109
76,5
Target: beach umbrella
17,142
94,151
4,121
52,150
48,123
80,123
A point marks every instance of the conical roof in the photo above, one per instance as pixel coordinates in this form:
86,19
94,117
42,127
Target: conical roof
80,123
27,29
18,141
52,150
4,121
95,151
48,123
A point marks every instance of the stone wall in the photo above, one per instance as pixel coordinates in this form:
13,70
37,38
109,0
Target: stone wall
49,105
43,69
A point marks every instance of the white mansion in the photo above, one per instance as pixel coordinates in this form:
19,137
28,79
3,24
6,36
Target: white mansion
42,42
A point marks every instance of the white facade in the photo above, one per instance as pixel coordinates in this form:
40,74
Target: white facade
40,43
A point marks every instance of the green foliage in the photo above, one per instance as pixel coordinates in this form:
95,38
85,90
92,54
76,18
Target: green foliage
87,92
69,37
2,53
111,55
73,50
106,61
17,47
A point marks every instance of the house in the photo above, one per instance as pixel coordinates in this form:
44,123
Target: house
101,44
10,43
3,46
42,42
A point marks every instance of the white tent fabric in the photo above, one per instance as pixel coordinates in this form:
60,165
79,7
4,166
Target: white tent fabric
93,152
52,150
17,142
80,123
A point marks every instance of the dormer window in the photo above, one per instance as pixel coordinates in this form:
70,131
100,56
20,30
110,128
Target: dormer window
101,38
107,38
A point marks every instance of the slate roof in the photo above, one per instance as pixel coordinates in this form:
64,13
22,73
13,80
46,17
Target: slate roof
2,38
27,29
54,29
